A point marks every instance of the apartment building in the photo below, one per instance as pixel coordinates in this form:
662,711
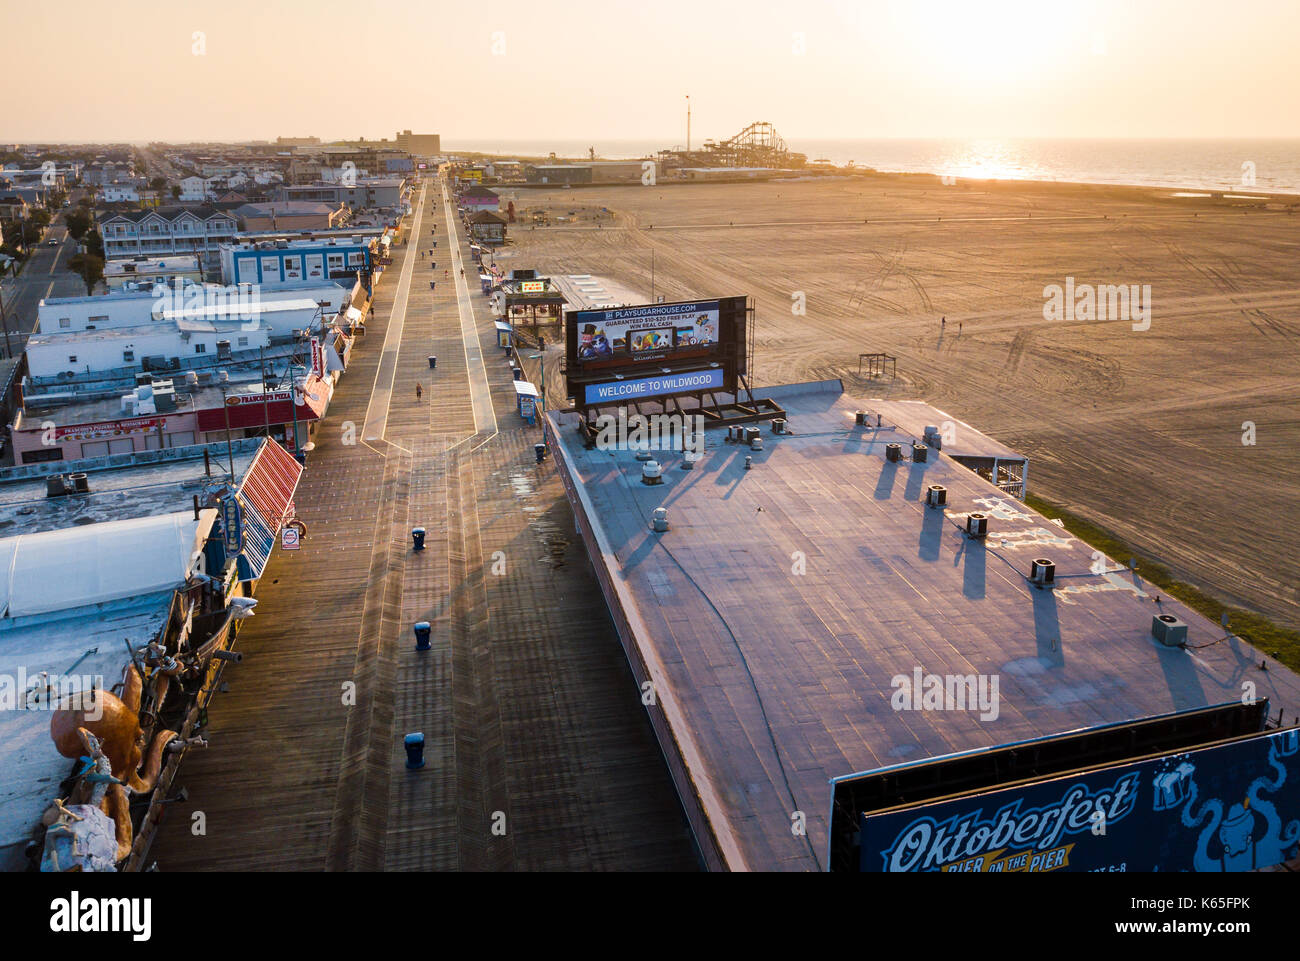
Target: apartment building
167,230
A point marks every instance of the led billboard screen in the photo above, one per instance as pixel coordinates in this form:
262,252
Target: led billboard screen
610,350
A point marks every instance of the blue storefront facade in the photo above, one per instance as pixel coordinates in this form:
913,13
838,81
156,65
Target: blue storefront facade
271,264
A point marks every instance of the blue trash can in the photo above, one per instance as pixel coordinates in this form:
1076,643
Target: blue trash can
417,535
422,632
414,744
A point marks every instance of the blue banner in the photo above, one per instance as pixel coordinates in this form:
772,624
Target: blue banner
641,387
232,524
1233,807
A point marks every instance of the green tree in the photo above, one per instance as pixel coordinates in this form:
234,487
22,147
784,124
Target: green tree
78,222
158,183
176,191
89,268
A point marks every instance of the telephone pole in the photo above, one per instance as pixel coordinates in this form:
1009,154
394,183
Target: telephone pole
5,321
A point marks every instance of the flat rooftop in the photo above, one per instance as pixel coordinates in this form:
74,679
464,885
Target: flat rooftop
959,438
116,494
772,682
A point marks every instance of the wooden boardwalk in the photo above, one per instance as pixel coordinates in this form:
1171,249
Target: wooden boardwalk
531,717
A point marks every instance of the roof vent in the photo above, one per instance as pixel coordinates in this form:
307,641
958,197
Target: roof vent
81,484
893,453
755,439
977,526
1042,572
651,473
936,496
660,520
1169,630
778,425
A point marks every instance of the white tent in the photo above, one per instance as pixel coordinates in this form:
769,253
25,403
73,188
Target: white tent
98,563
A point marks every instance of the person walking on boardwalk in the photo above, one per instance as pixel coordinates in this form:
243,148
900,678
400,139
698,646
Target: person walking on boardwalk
419,391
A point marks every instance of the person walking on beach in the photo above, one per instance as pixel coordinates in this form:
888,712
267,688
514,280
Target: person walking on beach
943,323
419,392
959,328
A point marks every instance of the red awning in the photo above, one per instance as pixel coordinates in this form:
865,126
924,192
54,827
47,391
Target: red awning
257,410
269,483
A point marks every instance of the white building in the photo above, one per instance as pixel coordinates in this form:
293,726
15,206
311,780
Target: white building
144,272
119,193
100,351
198,189
126,309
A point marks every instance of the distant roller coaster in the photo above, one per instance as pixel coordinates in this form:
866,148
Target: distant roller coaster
758,145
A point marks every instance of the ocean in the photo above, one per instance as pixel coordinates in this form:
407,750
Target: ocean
1265,165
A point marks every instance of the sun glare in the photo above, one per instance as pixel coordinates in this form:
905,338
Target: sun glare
994,45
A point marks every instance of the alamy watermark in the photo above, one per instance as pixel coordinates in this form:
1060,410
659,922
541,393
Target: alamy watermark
647,432
919,691
1130,302
241,302
52,692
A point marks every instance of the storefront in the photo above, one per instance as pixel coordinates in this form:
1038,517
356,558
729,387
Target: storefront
40,439
253,413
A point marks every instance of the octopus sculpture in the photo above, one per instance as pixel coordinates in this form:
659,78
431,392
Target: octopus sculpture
107,733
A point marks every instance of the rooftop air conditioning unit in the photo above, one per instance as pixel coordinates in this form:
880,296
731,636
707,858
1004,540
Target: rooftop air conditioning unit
936,496
1169,630
920,453
977,526
1042,572
934,438
893,453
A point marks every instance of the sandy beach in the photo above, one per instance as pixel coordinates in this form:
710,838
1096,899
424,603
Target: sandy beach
1141,431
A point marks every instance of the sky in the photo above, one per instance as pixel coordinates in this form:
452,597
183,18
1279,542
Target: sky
621,69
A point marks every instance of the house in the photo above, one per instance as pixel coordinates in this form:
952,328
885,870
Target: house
197,189
12,207
479,198
118,193
487,228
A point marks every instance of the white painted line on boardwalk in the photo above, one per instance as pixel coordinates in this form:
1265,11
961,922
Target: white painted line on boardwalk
376,423
480,393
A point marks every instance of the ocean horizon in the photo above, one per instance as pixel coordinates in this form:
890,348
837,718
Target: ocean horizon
1265,165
